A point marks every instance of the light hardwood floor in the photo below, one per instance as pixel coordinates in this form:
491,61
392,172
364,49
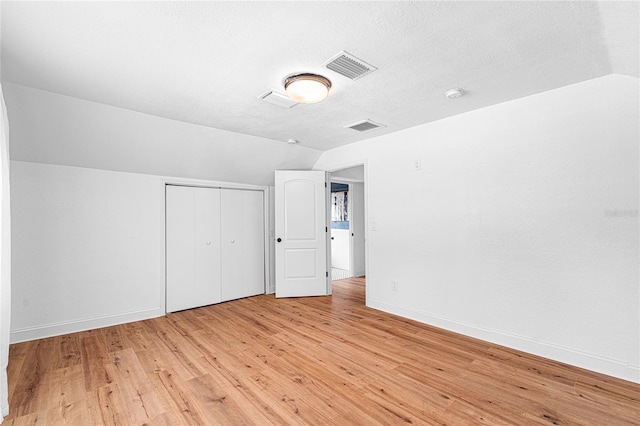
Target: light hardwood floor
322,360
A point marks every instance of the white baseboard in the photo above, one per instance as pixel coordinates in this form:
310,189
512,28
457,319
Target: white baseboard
609,366
634,373
65,327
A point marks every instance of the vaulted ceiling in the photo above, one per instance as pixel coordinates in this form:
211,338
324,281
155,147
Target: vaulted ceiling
208,62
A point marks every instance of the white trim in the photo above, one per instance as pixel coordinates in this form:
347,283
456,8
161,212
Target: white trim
211,184
355,163
349,183
327,236
346,180
347,165
162,251
609,366
266,205
66,327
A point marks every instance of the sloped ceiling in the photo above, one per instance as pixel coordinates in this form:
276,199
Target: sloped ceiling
207,62
54,129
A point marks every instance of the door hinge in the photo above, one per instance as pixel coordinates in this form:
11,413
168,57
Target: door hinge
325,184
327,274
326,229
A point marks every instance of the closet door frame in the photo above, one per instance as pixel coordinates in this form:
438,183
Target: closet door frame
268,239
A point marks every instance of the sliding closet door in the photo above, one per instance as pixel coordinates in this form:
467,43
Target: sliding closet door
242,243
193,247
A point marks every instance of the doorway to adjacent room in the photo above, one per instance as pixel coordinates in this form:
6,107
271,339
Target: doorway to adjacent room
347,223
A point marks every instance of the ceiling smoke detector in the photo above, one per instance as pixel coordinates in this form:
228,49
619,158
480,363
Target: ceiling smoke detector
292,141
454,93
307,88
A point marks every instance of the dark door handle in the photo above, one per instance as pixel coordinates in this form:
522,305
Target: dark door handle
332,238
279,240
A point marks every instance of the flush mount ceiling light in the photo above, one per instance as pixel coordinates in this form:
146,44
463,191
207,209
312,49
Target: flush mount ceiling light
307,88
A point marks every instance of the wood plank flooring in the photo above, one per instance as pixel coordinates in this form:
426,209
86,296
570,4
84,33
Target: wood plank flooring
315,361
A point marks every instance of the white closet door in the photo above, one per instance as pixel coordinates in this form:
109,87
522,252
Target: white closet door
193,247
242,243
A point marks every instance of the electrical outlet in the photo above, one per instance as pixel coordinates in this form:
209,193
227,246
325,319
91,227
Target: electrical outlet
417,165
394,286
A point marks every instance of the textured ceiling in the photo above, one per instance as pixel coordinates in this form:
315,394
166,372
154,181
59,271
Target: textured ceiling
207,62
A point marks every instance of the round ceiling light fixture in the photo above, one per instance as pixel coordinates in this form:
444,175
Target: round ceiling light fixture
307,88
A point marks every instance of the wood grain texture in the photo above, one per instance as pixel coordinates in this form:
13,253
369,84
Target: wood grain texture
319,360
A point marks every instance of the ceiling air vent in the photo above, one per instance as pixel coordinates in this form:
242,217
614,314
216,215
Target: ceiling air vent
365,126
278,99
349,66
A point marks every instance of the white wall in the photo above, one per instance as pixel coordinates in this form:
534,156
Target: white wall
5,258
55,129
88,247
521,228
56,206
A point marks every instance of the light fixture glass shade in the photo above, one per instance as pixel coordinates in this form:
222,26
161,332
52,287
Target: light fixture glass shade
307,88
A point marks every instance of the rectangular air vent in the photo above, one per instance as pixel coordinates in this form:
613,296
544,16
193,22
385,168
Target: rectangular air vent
278,99
364,126
349,66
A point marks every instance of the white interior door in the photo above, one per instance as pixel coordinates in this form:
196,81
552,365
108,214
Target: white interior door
193,247
301,202
341,249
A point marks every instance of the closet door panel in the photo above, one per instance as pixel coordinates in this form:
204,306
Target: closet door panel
253,250
207,244
180,251
242,240
192,247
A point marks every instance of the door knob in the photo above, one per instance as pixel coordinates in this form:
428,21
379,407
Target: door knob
208,243
279,240
233,241
332,238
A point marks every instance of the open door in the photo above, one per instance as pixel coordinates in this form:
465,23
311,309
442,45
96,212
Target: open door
302,265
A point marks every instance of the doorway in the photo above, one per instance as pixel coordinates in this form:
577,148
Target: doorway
347,223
